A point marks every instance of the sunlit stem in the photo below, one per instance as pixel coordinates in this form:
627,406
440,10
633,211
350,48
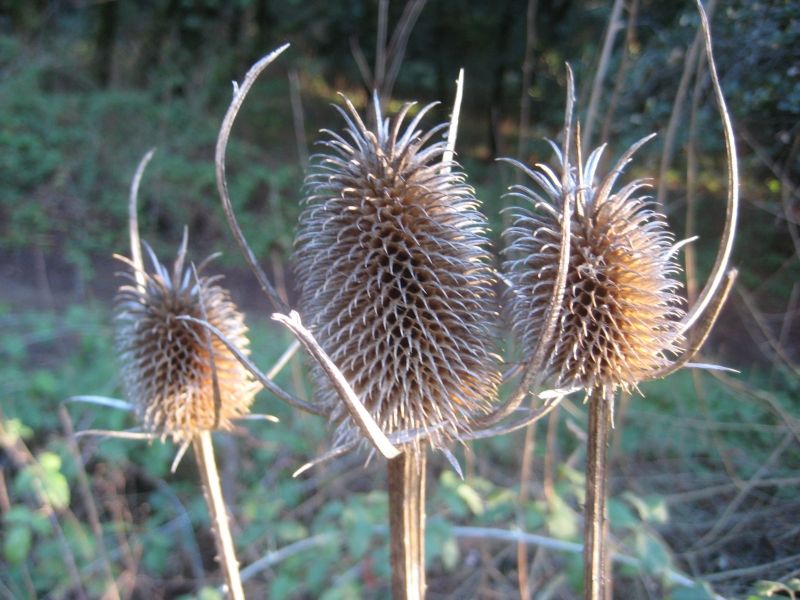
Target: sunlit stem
596,584
212,489
406,475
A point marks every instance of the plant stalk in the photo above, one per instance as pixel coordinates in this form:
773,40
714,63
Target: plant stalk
212,490
406,475
596,575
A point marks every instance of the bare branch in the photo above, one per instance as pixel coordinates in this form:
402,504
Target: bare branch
614,25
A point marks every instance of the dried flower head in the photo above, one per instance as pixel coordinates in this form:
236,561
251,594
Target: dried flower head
620,314
171,368
394,277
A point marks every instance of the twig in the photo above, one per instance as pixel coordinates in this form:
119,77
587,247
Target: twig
532,539
533,372
285,358
239,95
298,118
248,364
111,590
527,76
619,82
361,416
672,127
691,186
780,353
614,25
273,558
722,522
397,46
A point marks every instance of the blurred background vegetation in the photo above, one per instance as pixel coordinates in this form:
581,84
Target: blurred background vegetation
705,479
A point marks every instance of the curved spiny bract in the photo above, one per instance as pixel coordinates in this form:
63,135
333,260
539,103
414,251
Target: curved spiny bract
394,277
618,321
167,369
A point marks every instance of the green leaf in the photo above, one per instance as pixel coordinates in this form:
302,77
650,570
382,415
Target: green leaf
562,522
349,590
208,593
357,531
471,498
17,543
699,591
13,431
651,509
55,487
769,588
620,515
283,586
652,552
450,554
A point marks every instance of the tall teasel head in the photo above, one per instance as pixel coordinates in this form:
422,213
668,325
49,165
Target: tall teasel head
619,317
395,278
182,379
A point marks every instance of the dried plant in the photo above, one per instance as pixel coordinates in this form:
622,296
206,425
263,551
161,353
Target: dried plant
618,319
394,273
619,316
182,380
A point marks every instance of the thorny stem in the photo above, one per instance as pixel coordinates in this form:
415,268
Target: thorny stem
406,476
212,490
596,583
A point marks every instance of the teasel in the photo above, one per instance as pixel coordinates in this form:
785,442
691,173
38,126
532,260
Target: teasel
395,278
184,382
592,273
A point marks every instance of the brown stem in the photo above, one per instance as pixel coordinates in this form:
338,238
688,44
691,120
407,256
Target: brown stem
406,474
596,582
212,489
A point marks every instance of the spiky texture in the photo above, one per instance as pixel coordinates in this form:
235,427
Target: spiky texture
394,277
619,315
167,366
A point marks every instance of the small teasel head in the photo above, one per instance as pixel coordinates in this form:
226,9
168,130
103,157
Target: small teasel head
182,379
619,318
395,278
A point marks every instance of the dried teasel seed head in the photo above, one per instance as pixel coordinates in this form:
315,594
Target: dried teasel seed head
168,370
395,279
619,317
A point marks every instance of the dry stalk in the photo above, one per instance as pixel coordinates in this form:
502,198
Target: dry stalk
212,490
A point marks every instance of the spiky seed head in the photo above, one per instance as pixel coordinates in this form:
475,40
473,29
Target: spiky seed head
394,277
169,366
620,312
